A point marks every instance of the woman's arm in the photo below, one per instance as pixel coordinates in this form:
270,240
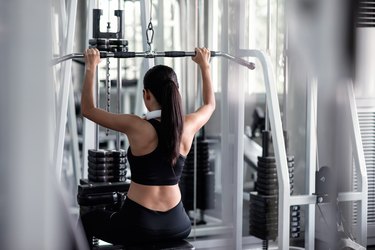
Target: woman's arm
119,122
200,117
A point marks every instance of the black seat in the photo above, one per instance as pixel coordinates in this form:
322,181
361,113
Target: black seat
176,245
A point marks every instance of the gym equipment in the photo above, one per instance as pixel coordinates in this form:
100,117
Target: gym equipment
205,180
264,202
107,165
153,54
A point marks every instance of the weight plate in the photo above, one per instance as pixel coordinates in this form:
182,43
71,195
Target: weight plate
267,192
106,166
97,153
118,42
106,160
268,159
117,153
263,198
107,172
261,181
106,178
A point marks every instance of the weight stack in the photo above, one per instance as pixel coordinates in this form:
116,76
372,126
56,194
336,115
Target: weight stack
107,165
205,179
264,202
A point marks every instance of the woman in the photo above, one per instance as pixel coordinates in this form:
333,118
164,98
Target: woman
153,209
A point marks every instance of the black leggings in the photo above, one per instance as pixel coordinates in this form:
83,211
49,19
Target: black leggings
137,224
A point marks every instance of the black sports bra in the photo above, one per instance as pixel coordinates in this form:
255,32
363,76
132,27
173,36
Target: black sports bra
153,169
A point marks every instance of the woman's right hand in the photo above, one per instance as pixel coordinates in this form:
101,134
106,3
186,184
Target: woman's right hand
92,58
202,57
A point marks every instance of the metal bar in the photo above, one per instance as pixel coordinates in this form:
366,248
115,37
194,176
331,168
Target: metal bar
303,200
350,196
89,127
278,144
119,88
150,55
311,156
72,123
97,101
360,164
64,92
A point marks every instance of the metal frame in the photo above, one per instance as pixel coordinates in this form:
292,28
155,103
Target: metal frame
311,161
89,127
278,143
64,91
360,164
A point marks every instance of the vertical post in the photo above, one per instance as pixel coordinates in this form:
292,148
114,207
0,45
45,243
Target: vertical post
89,127
225,132
311,156
119,88
72,122
64,91
278,145
360,164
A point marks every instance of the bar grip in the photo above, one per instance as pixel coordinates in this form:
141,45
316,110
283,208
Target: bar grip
175,54
124,54
186,53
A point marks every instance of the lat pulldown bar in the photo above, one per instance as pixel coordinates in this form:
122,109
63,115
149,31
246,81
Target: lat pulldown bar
122,54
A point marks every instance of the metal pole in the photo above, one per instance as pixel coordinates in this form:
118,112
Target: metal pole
311,159
64,92
97,92
119,88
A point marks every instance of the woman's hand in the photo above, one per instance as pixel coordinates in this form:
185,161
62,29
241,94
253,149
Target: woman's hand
202,57
92,58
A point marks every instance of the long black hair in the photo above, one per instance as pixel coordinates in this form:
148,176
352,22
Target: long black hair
162,81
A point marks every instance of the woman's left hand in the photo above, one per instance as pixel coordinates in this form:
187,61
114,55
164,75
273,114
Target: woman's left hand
92,58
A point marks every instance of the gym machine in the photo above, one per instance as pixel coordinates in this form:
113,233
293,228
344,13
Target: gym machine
111,46
106,186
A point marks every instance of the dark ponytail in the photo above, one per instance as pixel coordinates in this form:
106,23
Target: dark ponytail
162,82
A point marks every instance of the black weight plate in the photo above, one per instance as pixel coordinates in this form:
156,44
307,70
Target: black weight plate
97,41
263,198
269,159
267,192
117,153
272,170
262,204
263,182
106,172
269,183
263,234
97,153
118,42
267,222
106,166
106,178
261,212
106,160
